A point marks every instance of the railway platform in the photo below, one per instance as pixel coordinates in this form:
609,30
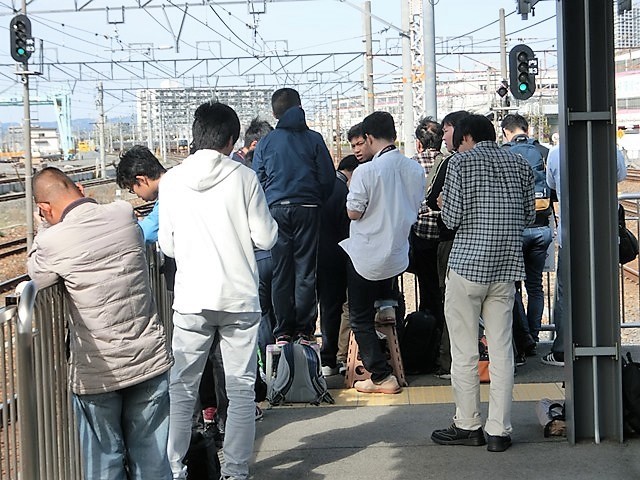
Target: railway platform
387,437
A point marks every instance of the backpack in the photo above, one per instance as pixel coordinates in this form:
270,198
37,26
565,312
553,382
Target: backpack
530,150
202,460
630,394
298,377
483,360
419,343
551,416
628,243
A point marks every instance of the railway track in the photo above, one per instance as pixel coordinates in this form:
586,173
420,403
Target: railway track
633,174
13,247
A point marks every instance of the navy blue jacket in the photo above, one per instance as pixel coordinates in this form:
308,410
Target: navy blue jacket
293,163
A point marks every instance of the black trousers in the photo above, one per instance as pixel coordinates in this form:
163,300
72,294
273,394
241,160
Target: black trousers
294,258
362,295
332,293
425,257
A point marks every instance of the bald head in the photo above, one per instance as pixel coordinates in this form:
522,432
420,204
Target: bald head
53,191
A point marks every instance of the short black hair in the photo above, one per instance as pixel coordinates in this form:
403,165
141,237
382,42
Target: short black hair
137,161
453,118
355,131
513,122
283,99
379,125
478,127
256,130
348,163
214,125
429,133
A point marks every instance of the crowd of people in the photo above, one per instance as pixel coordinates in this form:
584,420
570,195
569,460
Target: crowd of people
259,240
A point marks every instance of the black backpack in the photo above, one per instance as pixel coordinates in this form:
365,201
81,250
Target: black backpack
631,394
202,457
628,246
419,343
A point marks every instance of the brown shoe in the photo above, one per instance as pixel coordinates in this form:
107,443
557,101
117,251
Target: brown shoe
385,316
389,385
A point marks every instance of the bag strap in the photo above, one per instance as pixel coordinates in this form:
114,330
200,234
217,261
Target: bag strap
314,374
287,353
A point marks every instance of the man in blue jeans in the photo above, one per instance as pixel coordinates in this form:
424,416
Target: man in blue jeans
535,238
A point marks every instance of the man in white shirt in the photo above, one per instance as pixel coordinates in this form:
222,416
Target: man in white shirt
383,202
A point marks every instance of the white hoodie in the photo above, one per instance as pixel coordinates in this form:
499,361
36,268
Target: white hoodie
212,215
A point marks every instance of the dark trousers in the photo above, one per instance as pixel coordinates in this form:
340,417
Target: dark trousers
268,317
332,293
425,257
294,259
362,295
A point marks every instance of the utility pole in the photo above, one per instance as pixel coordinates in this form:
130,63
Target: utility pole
338,133
368,61
429,40
407,94
100,104
26,130
503,62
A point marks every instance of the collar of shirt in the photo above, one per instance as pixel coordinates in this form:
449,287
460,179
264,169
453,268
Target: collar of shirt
74,204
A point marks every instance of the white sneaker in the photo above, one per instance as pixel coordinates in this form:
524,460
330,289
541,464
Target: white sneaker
328,371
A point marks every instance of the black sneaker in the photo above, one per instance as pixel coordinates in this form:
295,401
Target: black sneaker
520,360
498,444
458,436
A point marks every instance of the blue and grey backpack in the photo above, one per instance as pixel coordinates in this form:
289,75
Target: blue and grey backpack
534,154
298,377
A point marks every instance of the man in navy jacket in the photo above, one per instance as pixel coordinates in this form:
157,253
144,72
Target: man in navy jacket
297,174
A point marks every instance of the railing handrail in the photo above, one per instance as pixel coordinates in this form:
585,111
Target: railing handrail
27,404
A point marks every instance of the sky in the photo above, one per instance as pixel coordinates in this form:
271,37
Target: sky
465,31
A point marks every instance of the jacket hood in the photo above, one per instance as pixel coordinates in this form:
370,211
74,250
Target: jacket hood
206,168
293,119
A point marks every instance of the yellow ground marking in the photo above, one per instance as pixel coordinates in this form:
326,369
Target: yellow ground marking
522,392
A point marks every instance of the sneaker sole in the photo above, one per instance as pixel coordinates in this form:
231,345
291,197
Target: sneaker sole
553,364
469,442
381,390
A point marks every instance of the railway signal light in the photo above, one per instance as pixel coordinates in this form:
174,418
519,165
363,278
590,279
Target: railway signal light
22,45
523,67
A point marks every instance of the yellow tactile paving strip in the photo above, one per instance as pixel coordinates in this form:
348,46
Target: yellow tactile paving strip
522,392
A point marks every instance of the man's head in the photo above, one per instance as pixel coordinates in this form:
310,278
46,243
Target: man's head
355,135
428,135
139,171
473,129
347,165
449,123
283,99
256,130
514,124
53,191
380,126
215,127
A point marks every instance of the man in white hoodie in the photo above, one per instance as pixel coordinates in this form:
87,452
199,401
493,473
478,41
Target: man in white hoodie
212,216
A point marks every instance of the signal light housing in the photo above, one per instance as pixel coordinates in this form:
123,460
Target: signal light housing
20,38
523,67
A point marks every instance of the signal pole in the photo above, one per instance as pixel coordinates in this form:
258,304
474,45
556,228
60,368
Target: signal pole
407,93
100,104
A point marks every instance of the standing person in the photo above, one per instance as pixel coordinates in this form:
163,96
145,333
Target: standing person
213,213
332,266
297,174
425,233
556,356
537,237
445,235
383,201
488,197
119,357
256,130
139,171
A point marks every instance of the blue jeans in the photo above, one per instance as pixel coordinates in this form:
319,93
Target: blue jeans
535,242
129,426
